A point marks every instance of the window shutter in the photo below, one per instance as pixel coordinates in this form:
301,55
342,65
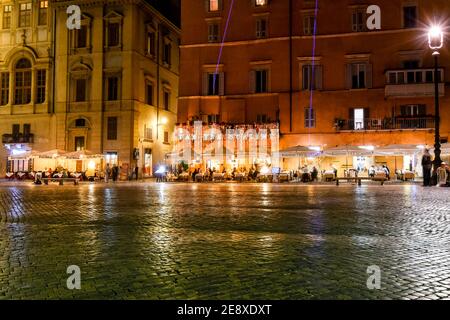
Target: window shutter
422,109
221,84
366,113
348,75
220,5
351,113
351,118
205,84
252,81
369,76
403,111
319,77
207,5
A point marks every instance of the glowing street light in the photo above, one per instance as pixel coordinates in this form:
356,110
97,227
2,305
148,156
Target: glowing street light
435,38
436,42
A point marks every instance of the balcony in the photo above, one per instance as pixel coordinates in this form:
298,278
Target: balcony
407,83
398,123
19,138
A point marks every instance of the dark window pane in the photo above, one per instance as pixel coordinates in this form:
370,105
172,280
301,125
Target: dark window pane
112,128
80,94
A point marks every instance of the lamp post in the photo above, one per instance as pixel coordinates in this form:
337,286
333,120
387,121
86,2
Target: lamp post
436,42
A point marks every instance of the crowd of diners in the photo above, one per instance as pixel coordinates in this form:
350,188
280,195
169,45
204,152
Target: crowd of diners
49,173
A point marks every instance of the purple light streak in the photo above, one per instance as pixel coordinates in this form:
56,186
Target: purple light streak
222,45
313,68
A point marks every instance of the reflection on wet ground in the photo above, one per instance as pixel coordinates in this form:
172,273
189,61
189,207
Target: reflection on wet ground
224,241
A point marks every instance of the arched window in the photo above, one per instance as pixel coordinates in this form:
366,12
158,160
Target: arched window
22,94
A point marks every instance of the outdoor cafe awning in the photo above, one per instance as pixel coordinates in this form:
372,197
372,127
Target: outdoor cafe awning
398,150
299,151
348,151
55,153
82,154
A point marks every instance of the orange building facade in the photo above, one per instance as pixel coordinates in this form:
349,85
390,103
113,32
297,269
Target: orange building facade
316,69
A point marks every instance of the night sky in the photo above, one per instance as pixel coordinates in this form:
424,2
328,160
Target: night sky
169,8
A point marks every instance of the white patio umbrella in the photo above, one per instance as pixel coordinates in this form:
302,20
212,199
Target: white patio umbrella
347,151
55,153
80,154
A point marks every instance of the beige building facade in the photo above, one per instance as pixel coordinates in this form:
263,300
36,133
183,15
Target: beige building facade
110,87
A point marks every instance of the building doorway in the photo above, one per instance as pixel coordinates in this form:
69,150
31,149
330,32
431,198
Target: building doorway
148,162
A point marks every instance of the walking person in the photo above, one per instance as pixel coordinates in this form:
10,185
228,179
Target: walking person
107,173
426,166
136,172
442,175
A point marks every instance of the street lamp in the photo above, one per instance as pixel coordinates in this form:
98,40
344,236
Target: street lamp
436,42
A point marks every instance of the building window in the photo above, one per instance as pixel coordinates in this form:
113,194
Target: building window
310,118
80,90
261,81
413,110
112,128
25,15
4,99
166,137
16,131
261,28
410,17
40,86
113,34
359,117
213,84
151,43
43,8
358,75
112,158
213,118
7,16
167,52
80,123
26,130
411,64
308,81
166,100
149,94
359,20
148,133
112,88
23,82
213,5
260,3
213,32
261,118
308,25
80,143
81,37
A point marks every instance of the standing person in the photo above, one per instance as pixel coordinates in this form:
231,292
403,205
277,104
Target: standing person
426,166
314,174
107,173
136,172
115,171
442,175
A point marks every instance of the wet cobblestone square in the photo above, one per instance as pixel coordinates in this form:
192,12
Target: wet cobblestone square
224,241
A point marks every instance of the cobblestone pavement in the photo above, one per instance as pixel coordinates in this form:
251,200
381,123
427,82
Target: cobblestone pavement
224,241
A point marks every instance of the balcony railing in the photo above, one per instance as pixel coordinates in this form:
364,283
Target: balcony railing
19,138
398,123
413,82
